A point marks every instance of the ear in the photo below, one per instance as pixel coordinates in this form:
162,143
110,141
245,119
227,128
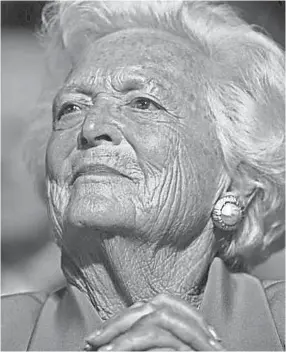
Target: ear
245,192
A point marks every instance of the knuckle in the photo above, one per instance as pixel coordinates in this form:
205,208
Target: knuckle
149,307
162,314
142,323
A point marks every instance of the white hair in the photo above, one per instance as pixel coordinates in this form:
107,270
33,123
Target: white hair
244,92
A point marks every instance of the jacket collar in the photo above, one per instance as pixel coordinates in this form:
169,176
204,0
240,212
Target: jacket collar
234,304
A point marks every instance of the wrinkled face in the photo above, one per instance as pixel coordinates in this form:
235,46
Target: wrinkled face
131,150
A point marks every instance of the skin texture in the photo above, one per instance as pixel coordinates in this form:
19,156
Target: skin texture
127,236
163,323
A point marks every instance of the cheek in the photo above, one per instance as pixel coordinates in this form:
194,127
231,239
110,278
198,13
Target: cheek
59,196
58,199
191,184
203,163
59,148
156,147
153,142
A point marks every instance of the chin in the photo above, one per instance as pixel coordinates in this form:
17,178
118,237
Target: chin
99,211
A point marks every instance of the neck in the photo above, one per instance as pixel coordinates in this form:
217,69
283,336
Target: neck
118,272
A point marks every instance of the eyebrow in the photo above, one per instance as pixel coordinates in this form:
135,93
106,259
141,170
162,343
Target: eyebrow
123,80
134,78
126,79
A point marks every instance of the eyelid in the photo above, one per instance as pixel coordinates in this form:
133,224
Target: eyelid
63,102
153,100
66,105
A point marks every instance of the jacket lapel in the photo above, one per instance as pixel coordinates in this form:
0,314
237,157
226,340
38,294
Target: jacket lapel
237,307
65,320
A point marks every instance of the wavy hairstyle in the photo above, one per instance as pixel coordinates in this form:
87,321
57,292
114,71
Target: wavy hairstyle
244,92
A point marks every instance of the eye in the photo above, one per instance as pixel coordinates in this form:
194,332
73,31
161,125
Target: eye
68,109
144,104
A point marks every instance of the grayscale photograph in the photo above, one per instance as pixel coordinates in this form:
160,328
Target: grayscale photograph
142,175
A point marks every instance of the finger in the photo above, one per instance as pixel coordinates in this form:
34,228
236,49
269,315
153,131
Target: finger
140,338
119,324
163,349
137,304
185,330
183,308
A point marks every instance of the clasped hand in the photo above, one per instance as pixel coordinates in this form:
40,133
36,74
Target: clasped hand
164,323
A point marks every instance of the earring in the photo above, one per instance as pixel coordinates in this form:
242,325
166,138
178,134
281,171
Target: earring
227,212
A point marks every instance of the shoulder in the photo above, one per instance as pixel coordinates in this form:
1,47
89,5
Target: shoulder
21,305
18,305
275,293
252,310
19,314
35,297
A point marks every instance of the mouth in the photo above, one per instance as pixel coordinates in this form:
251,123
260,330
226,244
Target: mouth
97,170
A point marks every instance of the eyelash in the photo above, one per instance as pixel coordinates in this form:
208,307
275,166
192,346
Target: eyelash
77,108
65,107
149,101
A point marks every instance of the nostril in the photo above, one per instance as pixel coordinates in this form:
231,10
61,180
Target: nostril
89,138
104,137
84,141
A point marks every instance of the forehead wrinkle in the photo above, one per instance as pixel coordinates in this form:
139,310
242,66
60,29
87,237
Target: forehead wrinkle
84,81
130,78
122,79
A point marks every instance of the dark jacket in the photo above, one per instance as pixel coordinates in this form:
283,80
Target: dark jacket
247,314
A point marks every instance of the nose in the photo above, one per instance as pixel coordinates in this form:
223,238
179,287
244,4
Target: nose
94,134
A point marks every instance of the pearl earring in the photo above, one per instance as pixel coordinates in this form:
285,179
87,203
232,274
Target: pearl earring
227,212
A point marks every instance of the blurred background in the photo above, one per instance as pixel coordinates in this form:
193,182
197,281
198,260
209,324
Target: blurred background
30,261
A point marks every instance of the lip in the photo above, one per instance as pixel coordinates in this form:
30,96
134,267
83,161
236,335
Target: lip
96,170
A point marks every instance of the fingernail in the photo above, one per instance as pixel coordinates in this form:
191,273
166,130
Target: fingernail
213,333
106,348
87,347
217,346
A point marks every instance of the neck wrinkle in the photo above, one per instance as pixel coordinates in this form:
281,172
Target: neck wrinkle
117,278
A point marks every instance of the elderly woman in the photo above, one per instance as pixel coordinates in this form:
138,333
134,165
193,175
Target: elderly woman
164,180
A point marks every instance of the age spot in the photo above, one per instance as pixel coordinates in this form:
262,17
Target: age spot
192,101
